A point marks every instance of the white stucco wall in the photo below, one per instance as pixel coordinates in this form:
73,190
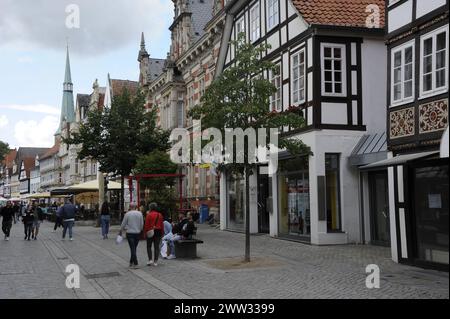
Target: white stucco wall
374,70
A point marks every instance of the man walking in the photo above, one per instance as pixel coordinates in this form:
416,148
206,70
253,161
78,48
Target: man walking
132,224
7,213
69,211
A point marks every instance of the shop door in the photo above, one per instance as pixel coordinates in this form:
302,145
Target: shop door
263,196
379,208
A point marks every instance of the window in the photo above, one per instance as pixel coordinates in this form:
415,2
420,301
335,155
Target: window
433,62
402,74
298,77
254,23
190,96
333,69
332,180
180,113
202,87
275,99
272,11
240,26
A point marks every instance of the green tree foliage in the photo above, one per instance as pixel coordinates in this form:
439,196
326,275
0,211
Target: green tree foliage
117,136
240,98
160,189
4,150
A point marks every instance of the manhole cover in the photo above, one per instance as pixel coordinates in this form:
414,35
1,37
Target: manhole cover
105,275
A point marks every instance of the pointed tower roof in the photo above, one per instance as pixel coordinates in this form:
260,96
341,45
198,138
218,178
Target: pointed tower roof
143,52
67,105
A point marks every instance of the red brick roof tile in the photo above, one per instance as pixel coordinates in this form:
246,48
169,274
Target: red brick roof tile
351,13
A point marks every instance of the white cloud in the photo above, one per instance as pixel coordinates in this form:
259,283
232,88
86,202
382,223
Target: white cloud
36,108
36,134
105,25
3,121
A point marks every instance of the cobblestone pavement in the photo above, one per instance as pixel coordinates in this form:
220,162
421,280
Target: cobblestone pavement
36,270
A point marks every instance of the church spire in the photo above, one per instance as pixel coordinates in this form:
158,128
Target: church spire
143,52
67,105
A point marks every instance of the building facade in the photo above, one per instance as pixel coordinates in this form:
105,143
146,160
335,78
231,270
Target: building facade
176,84
332,67
417,116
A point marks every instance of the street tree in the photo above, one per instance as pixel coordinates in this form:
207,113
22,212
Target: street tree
117,136
4,150
159,189
240,97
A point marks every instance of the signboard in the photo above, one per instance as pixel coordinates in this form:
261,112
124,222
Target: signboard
444,144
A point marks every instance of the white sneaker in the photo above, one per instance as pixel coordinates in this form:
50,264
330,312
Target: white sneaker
155,264
71,239
7,238
171,257
149,263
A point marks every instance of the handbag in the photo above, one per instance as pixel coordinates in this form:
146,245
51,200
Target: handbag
151,232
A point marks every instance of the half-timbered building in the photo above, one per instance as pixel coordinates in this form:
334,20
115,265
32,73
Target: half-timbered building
332,64
417,116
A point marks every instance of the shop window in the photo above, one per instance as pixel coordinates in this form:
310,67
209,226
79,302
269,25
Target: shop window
236,202
333,205
431,213
294,219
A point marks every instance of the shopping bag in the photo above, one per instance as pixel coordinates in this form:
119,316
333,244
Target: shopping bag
119,239
164,249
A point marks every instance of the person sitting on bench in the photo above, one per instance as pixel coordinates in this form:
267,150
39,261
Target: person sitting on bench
184,230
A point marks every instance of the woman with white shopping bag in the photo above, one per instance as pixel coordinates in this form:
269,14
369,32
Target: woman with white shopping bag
154,230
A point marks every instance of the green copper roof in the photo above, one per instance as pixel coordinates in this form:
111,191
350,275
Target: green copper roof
67,106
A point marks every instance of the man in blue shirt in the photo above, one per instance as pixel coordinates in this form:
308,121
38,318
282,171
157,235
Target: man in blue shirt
68,213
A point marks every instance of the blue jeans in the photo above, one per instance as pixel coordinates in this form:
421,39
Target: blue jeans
133,241
105,220
67,225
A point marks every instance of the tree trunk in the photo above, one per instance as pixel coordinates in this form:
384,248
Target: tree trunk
247,215
122,197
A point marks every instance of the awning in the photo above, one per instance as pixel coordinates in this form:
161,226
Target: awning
371,148
92,186
42,196
399,160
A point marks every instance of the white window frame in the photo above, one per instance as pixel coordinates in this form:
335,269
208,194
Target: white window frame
434,91
202,87
255,22
343,69
402,48
277,98
273,13
293,88
240,26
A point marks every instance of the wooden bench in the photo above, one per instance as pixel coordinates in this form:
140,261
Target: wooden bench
187,248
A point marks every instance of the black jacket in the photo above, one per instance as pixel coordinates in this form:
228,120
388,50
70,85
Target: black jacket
7,213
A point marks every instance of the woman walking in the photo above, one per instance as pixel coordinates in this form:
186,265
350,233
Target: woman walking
154,229
105,219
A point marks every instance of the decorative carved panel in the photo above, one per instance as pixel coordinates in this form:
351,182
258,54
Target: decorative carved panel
401,123
433,116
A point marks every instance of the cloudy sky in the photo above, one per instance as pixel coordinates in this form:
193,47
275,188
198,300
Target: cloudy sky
33,36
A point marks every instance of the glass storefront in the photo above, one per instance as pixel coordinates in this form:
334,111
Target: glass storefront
431,188
293,188
332,192
236,202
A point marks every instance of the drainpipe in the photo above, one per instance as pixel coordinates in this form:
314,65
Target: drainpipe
361,209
